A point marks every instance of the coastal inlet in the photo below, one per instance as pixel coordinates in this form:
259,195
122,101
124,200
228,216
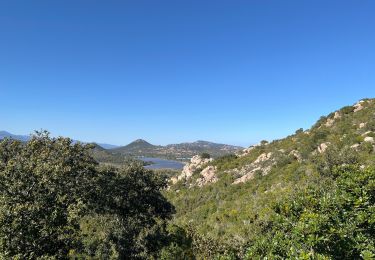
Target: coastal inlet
158,163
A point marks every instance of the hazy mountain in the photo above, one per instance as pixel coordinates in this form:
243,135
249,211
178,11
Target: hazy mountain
5,134
184,150
108,146
141,147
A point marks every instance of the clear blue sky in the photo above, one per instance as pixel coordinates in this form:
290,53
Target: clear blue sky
172,71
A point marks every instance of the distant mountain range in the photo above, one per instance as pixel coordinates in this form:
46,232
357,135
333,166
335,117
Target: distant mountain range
5,134
175,151
142,148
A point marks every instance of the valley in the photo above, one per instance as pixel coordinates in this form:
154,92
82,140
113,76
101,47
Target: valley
187,130
238,204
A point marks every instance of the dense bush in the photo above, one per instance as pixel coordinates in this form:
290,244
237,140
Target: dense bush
347,109
335,220
205,156
55,202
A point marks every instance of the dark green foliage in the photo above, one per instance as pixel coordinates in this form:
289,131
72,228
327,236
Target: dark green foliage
299,131
166,173
56,203
321,120
232,161
187,243
107,157
133,208
44,188
179,244
334,220
226,158
347,109
370,126
334,157
205,156
319,136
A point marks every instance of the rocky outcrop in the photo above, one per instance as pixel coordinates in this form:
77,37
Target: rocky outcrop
263,157
362,125
248,176
248,150
208,176
366,133
355,146
196,162
296,155
337,115
323,147
331,121
262,164
359,106
369,139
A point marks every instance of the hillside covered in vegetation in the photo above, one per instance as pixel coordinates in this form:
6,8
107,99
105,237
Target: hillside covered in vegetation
182,151
308,195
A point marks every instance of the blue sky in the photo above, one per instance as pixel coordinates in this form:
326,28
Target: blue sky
172,71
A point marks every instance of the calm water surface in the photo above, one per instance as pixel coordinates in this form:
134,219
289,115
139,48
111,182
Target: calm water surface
162,163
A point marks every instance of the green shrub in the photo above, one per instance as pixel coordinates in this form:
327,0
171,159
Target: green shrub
55,203
334,220
347,110
205,156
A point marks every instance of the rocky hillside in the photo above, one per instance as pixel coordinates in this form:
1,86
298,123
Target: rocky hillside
221,197
175,151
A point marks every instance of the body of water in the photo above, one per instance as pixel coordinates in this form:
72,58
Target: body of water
158,163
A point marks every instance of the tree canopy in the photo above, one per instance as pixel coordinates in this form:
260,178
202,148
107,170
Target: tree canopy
57,202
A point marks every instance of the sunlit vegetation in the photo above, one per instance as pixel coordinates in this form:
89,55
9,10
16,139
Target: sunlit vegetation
315,202
56,202
252,220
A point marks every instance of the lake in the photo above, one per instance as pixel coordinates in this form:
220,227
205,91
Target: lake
162,163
